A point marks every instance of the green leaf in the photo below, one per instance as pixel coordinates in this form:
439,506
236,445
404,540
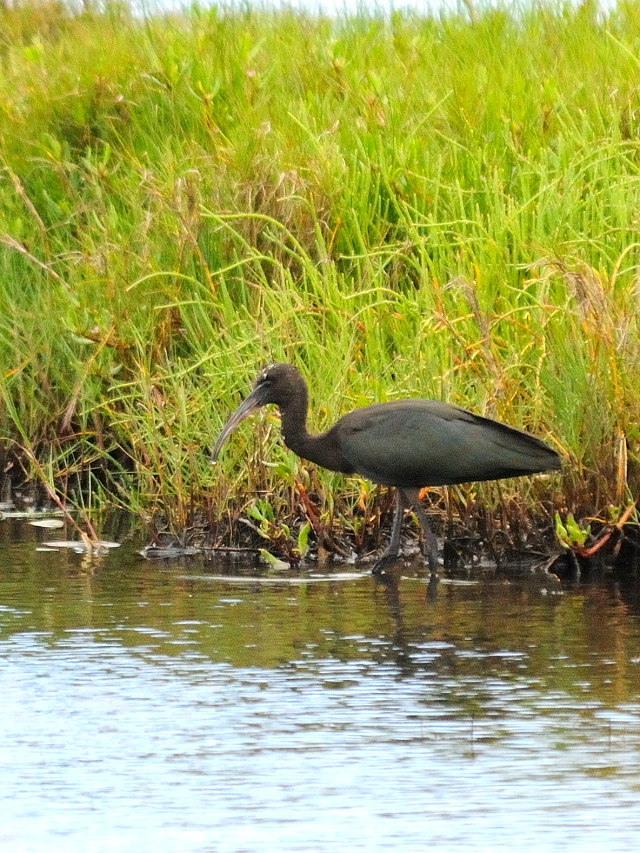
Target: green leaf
254,512
303,539
561,532
570,534
274,562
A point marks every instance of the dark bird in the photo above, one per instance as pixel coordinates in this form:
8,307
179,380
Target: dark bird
408,444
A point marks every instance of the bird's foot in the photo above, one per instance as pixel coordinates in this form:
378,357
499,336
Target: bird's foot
384,563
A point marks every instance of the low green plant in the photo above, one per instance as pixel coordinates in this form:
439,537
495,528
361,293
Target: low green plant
569,533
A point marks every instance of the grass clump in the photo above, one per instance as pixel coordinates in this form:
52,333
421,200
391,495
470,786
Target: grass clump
402,206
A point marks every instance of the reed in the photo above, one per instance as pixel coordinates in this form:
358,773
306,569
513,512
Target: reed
401,205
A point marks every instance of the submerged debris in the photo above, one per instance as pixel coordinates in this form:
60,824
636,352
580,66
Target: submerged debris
168,552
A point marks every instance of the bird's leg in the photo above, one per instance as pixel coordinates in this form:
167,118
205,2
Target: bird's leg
393,548
430,545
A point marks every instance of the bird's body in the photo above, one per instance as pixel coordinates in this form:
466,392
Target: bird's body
408,444
429,443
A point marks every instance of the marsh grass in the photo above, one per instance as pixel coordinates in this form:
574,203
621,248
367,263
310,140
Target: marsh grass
402,206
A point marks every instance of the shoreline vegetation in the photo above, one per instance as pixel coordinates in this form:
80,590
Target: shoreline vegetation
400,205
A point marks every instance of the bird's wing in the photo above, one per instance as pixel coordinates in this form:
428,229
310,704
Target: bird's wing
416,443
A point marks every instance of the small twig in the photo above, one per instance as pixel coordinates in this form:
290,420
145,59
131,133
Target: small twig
10,241
20,190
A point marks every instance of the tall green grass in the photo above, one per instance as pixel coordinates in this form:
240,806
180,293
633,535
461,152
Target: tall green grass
401,206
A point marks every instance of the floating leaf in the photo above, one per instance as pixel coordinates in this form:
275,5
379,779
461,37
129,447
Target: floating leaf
78,545
28,513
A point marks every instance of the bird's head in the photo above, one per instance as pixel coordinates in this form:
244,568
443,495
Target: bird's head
277,384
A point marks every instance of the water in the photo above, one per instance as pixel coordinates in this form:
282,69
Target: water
151,707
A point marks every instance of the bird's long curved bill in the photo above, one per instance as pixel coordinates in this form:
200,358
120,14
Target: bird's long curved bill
246,408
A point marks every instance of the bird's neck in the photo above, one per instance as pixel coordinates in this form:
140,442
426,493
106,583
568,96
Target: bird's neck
320,449
294,422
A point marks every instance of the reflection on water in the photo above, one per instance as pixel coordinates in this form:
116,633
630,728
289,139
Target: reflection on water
172,707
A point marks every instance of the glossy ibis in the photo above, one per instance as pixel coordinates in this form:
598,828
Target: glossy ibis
408,444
